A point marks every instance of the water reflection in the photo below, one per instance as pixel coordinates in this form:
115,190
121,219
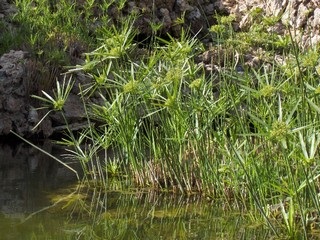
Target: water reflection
40,199
26,175
101,214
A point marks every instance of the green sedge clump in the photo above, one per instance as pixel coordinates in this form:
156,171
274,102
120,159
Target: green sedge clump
173,138
173,75
131,87
279,130
219,29
196,84
267,91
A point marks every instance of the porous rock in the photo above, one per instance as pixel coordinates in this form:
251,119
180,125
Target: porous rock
18,111
19,114
301,18
13,108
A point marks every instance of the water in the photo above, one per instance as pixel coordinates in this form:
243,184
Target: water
40,199
26,177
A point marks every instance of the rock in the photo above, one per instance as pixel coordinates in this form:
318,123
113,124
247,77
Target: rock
316,18
6,8
18,113
165,18
73,111
302,17
5,124
13,106
21,76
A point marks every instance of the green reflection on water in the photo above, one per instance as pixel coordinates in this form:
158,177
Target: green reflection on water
101,214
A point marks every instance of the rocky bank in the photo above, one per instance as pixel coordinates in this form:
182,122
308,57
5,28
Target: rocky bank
18,71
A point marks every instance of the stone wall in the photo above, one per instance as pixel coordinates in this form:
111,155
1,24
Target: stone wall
302,17
18,71
197,15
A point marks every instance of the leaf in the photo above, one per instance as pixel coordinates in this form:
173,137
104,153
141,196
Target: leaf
314,106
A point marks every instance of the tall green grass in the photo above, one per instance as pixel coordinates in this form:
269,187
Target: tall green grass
250,138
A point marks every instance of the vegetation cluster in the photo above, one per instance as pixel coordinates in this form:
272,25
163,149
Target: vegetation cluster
248,137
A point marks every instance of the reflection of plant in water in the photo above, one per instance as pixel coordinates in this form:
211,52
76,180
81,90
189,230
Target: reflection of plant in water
149,215
114,168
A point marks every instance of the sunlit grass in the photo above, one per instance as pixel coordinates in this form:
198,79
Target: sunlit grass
249,138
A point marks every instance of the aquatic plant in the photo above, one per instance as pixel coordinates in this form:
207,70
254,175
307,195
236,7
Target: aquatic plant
248,137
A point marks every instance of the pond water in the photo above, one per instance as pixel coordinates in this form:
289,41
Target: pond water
41,199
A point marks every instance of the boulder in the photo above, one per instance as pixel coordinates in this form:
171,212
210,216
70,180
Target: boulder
13,104
301,18
18,110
